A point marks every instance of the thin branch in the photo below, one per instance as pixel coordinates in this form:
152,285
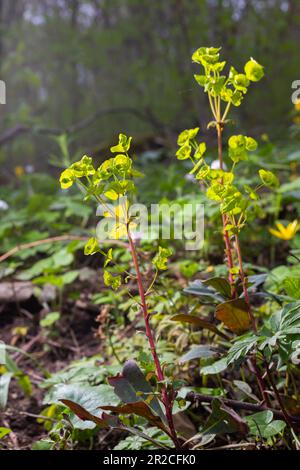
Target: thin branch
20,129
238,405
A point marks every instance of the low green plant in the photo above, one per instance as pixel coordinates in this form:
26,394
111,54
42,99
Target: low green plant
263,344
113,181
238,206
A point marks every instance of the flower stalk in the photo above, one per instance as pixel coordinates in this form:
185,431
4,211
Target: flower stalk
167,402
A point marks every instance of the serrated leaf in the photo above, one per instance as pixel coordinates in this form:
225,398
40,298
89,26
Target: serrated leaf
241,347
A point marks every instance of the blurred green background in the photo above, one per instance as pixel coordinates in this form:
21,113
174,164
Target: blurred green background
93,68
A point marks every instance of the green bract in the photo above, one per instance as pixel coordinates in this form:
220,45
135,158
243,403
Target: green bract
254,71
161,258
269,179
123,145
184,152
239,146
91,247
187,135
230,88
67,178
206,56
112,281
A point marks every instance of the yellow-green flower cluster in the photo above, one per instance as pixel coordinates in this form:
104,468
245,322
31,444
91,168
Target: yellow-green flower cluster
230,88
77,170
118,168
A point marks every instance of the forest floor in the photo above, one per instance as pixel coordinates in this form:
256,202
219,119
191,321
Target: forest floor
75,338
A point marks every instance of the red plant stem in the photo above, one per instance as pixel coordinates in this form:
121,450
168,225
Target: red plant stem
244,283
160,375
228,249
254,368
243,278
278,398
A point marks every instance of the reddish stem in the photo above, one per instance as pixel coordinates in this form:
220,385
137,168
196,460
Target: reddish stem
279,400
244,283
160,375
228,249
254,368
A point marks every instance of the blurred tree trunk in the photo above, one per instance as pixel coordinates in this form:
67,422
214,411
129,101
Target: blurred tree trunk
75,4
1,33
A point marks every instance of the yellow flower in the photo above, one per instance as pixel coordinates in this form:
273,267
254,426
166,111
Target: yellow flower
120,219
297,119
19,171
285,233
297,105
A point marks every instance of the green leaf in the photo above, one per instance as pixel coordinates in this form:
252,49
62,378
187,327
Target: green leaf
198,322
50,319
224,420
215,368
234,314
241,347
43,444
261,424
292,287
131,387
23,379
205,294
4,432
88,397
241,82
220,284
197,352
202,80
109,257
4,387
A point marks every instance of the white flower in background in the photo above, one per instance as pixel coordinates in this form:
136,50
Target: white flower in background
215,165
3,205
29,168
190,177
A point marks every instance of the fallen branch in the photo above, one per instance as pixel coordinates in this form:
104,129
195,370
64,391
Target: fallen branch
198,398
61,238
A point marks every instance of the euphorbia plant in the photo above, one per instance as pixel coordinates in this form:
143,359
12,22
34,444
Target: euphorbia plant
111,183
237,204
